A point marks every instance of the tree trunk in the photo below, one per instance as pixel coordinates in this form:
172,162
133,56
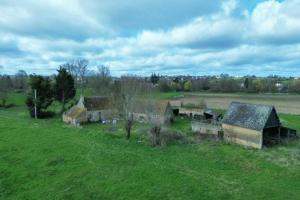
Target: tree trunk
81,86
156,137
128,128
63,104
3,102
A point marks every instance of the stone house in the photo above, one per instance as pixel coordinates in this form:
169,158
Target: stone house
254,125
90,109
157,112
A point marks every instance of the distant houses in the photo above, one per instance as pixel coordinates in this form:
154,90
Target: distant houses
254,125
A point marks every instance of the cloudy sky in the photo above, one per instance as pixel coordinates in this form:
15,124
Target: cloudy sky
196,37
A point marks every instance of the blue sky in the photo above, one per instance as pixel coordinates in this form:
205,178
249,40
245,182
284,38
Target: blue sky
195,37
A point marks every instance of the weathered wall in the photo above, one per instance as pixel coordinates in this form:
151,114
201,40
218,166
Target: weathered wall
93,116
156,119
243,136
199,127
188,111
74,120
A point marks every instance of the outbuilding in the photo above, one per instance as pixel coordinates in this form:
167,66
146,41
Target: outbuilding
254,125
147,111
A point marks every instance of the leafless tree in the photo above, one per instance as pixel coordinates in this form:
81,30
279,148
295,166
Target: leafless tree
126,91
78,69
81,67
20,81
71,68
101,80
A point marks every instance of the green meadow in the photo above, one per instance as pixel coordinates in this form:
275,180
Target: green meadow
47,159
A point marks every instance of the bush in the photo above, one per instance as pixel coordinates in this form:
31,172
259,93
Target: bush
166,137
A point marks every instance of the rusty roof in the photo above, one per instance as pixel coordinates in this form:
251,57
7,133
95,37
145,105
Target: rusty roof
251,116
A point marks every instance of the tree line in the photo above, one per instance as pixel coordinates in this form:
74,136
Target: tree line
227,84
100,82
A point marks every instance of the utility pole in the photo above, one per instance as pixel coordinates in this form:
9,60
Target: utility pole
35,110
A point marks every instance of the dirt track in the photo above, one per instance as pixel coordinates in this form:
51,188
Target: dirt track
284,103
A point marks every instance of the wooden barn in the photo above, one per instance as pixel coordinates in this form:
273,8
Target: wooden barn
254,125
158,112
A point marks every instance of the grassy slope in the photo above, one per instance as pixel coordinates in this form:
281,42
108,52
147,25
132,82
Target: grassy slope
47,159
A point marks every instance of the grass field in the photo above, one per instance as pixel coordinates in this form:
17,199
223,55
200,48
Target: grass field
46,159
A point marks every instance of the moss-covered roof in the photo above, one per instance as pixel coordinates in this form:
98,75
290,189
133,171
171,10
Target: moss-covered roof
97,103
251,116
151,107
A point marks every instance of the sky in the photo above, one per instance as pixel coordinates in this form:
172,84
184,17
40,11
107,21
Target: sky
169,37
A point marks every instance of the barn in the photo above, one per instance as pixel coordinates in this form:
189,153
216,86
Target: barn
254,125
158,112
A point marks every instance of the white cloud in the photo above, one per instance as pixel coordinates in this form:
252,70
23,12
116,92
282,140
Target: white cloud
45,34
229,6
277,22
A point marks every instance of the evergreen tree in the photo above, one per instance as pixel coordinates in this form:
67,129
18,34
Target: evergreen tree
64,88
154,78
44,95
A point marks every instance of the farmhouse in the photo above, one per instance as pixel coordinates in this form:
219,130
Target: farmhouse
90,109
254,125
158,112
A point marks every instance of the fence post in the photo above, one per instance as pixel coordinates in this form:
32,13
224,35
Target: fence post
35,109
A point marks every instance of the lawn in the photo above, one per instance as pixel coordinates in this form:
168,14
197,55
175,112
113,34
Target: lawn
46,159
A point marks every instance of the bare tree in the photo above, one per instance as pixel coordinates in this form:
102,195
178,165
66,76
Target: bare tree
20,81
71,68
81,68
78,69
101,80
126,91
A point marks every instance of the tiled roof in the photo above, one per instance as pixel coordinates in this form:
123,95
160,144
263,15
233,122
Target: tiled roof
251,116
151,107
